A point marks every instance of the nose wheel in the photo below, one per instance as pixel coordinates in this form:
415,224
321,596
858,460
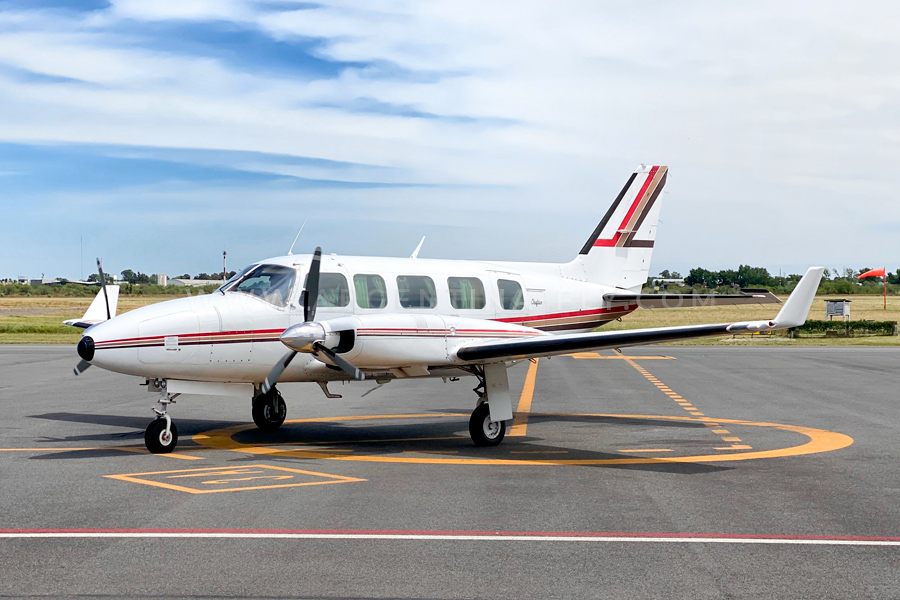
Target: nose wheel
161,436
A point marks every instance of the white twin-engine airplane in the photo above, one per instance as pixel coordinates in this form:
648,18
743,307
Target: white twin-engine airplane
353,318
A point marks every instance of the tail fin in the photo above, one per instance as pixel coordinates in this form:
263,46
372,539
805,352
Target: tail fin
618,252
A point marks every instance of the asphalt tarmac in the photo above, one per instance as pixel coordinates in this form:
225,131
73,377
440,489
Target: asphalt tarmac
686,472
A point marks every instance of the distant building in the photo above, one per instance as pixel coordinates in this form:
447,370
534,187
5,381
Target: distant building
195,282
660,281
162,279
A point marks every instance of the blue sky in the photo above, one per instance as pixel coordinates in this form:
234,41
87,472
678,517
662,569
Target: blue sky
161,133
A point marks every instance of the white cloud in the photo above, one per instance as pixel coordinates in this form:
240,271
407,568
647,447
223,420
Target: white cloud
778,118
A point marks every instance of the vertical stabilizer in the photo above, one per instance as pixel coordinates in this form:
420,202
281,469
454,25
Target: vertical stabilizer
618,252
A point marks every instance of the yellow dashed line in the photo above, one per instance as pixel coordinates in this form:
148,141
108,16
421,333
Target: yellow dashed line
690,408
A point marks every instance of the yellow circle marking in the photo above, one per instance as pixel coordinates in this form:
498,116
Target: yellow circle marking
820,440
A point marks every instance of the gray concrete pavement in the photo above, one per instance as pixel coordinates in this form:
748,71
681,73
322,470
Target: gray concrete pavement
610,445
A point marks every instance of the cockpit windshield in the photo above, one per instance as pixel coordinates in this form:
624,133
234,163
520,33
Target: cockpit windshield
234,278
272,283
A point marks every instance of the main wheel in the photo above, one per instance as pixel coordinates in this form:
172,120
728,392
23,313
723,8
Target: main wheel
157,440
485,432
269,410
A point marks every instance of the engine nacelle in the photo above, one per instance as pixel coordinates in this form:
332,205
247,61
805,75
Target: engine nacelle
395,341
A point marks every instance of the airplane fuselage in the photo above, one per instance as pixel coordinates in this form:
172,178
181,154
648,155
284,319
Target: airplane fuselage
431,305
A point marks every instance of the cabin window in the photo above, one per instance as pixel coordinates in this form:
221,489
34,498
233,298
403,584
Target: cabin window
466,292
272,283
370,291
333,290
416,291
511,297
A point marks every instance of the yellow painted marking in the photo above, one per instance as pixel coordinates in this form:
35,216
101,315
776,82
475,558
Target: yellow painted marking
820,440
736,447
731,439
219,471
520,419
721,431
142,450
131,449
221,481
647,450
696,413
216,471
595,355
200,436
431,451
48,449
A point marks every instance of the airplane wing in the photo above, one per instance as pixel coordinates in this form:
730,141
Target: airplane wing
96,312
747,296
792,314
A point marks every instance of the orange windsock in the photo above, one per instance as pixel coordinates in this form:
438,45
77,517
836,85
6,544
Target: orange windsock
873,273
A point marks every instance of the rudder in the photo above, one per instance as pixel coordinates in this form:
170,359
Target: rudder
619,250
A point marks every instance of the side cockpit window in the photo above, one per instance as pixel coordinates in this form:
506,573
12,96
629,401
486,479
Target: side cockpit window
272,283
333,290
511,297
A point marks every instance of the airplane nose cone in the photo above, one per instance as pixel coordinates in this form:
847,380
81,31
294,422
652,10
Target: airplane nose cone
86,348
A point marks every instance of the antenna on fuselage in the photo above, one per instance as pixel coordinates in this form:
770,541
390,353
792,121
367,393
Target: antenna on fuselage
296,237
415,253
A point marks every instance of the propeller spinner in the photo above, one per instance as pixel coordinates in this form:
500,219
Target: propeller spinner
309,336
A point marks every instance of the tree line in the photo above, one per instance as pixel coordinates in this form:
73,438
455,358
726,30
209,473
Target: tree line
835,281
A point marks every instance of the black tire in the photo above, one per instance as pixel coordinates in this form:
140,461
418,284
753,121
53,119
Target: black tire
269,410
156,440
483,431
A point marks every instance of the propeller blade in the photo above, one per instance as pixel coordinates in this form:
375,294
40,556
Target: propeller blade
103,285
81,367
345,366
311,296
276,371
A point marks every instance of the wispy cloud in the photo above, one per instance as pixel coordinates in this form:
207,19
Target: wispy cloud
488,124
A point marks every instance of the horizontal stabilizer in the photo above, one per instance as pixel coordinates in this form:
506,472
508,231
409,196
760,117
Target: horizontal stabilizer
694,300
96,312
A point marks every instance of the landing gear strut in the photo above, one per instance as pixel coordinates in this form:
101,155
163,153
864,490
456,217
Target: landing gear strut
484,431
269,410
161,435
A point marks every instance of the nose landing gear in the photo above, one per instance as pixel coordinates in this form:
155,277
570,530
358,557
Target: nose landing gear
161,435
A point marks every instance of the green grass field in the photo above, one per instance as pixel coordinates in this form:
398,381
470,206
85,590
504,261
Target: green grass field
38,320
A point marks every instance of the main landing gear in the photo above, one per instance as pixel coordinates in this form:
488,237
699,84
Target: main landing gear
269,410
483,430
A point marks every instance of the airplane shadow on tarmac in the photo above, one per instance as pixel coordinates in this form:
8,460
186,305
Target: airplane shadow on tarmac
445,436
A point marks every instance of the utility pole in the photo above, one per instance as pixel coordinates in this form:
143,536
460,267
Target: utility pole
224,269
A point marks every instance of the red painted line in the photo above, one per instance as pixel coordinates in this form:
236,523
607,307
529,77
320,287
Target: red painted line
522,534
209,334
